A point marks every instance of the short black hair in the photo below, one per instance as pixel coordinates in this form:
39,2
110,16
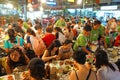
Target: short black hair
20,62
37,26
67,41
97,22
49,29
55,43
20,20
37,68
79,56
58,29
31,32
87,28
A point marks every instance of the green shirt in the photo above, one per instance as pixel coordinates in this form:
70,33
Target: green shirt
60,23
94,34
101,29
25,25
8,44
81,41
118,28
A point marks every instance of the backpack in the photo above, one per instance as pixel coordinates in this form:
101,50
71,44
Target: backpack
38,46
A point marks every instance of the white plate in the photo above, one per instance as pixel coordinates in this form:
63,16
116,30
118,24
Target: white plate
6,77
110,49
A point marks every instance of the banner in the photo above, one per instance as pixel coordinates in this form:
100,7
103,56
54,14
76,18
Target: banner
71,0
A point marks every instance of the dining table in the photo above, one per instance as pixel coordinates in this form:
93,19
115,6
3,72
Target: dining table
60,69
16,75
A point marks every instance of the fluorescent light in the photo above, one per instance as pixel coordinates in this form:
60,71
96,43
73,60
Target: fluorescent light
9,5
109,7
43,1
79,1
89,9
71,1
51,0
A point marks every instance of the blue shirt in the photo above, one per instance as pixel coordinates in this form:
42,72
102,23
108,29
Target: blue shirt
8,44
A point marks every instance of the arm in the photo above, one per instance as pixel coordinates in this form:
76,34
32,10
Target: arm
6,50
72,76
60,53
104,40
46,56
28,44
7,67
85,50
6,46
26,59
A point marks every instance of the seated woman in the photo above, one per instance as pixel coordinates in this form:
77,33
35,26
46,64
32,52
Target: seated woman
106,70
36,70
12,40
14,59
66,51
82,72
52,51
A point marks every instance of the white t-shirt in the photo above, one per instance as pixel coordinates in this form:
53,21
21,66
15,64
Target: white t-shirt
106,73
61,38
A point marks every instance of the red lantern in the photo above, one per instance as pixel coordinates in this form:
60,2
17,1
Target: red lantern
97,1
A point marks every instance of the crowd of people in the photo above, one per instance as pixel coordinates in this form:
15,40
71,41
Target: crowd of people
29,44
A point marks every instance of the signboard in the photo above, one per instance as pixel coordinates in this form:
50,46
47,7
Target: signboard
51,3
109,7
71,0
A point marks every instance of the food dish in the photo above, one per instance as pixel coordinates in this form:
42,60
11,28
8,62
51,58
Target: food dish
7,77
